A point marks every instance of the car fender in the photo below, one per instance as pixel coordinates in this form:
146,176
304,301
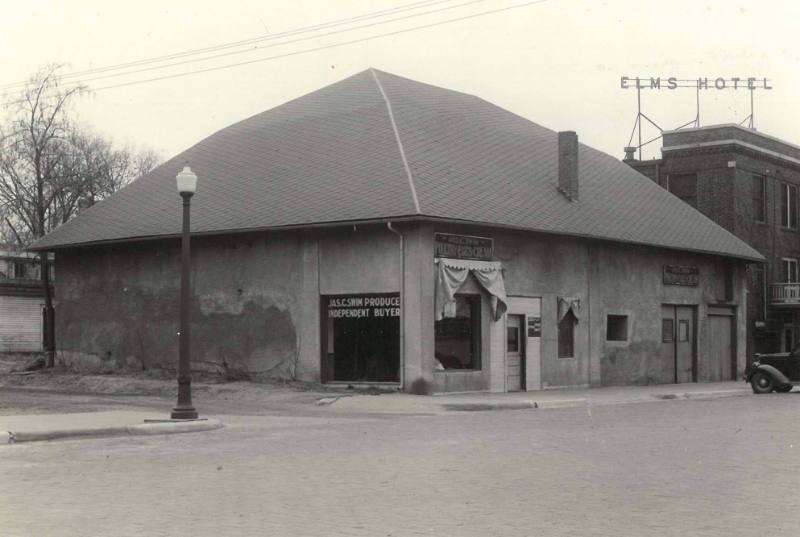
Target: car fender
776,375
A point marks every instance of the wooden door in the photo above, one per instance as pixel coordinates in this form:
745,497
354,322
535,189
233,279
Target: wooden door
524,318
678,339
666,372
685,344
515,353
720,346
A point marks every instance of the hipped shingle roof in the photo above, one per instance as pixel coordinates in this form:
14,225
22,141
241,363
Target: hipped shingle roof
379,146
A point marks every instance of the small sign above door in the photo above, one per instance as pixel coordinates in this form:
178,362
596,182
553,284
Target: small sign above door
681,275
534,327
463,247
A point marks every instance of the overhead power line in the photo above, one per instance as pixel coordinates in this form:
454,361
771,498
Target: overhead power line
282,43
245,42
320,48
334,45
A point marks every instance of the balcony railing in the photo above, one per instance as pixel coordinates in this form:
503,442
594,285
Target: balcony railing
785,294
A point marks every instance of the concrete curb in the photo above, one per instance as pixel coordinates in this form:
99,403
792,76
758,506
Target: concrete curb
477,406
717,394
166,427
513,405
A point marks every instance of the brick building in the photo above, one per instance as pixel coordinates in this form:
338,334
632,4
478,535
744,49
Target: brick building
747,182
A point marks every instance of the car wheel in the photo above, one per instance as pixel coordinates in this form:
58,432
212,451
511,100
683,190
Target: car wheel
762,382
784,389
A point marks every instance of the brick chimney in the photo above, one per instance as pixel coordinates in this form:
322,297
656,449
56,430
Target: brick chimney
568,164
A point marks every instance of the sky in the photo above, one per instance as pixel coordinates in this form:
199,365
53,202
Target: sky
557,63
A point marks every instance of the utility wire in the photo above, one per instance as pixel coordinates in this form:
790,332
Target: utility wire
316,49
271,45
235,44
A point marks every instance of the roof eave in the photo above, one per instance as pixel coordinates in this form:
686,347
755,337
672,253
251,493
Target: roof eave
758,258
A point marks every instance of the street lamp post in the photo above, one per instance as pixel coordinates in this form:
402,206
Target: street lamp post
187,184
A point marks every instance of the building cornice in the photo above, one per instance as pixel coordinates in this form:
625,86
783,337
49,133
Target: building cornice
732,142
745,130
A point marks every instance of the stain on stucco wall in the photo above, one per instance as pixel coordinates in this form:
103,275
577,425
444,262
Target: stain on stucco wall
118,307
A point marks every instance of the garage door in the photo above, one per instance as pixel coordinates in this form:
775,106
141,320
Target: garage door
20,323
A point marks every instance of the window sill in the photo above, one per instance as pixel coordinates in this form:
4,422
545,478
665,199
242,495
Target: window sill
451,371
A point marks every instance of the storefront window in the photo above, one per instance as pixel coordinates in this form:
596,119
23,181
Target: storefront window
458,338
361,338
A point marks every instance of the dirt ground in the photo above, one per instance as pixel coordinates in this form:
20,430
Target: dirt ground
62,390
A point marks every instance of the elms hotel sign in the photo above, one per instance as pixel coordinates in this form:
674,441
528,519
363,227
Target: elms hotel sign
671,82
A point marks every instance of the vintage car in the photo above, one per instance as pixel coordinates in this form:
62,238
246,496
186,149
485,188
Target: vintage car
774,372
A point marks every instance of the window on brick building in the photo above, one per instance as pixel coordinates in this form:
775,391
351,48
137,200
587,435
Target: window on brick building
759,198
755,275
789,270
684,185
789,206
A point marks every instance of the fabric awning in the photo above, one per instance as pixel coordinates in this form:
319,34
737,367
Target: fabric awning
451,275
567,304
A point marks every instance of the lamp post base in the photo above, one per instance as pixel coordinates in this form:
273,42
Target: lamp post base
184,413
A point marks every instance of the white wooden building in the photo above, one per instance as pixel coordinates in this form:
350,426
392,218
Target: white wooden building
21,302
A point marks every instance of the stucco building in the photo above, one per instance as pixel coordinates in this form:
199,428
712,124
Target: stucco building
747,182
381,230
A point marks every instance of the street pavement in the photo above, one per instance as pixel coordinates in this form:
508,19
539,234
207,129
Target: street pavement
724,466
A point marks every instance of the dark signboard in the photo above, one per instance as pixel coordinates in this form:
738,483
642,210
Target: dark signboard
463,247
534,327
361,337
364,306
681,275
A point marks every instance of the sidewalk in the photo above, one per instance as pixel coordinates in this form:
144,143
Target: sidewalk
38,427
146,421
561,398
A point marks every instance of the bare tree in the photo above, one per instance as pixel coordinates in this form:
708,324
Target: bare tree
92,170
48,166
30,161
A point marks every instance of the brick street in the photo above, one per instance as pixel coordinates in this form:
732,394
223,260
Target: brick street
702,468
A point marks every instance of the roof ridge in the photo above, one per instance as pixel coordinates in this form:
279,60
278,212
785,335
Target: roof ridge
399,141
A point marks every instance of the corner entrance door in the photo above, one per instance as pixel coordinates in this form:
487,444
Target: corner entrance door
678,344
515,353
520,367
